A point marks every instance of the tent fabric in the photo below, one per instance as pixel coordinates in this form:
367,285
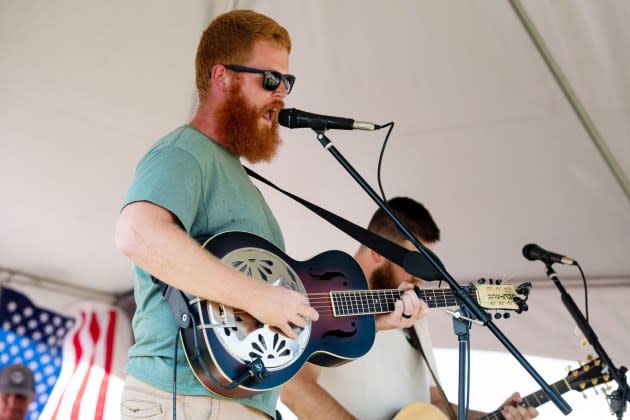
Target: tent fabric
483,135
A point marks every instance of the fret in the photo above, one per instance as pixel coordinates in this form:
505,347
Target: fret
335,301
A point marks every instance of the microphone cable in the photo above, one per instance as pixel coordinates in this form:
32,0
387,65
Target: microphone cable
380,158
585,290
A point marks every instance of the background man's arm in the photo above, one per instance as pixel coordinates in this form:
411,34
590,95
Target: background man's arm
308,400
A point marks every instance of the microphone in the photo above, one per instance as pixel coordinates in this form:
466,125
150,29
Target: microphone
294,118
533,252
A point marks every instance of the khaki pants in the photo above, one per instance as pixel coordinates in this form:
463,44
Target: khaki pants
142,401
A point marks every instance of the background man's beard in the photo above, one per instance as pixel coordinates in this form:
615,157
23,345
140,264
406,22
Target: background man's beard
383,277
239,128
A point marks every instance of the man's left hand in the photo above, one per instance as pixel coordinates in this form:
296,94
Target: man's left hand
407,310
512,410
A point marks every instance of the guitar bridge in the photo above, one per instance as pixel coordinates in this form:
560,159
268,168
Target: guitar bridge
220,316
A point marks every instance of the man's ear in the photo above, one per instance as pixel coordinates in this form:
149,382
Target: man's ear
219,77
375,256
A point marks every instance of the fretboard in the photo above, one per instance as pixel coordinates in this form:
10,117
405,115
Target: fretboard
532,400
365,302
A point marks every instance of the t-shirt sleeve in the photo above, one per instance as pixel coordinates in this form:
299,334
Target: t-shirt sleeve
170,178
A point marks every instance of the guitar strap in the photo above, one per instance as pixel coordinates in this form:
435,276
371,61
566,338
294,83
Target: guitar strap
388,249
412,337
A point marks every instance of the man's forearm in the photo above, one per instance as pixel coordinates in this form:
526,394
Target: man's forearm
309,401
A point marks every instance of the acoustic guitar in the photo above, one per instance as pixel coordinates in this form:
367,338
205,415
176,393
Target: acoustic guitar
586,376
234,355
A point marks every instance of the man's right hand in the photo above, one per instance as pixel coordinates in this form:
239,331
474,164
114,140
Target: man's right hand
283,308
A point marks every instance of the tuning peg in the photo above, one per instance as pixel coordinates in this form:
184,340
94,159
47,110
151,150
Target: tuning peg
522,306
506,315
498,281
524,288
584,395
497,316
481,281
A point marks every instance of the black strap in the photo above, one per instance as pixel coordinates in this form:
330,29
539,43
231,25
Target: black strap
388,249
177,303
412,337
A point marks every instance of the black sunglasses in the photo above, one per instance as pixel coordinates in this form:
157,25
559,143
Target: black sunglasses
271,78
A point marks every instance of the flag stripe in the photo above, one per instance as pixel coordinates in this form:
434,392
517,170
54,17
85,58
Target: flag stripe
94,335
102,393
78,352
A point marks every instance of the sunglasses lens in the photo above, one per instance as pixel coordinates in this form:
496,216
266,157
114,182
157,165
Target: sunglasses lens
288,80
271,81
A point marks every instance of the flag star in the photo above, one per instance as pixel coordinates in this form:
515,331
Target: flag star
28,311
32,324
16,318
43,317
37,336
48,329
14,350
57,321
11,306
20,330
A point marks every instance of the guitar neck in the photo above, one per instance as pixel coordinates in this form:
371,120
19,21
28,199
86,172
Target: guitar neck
532,400
369,302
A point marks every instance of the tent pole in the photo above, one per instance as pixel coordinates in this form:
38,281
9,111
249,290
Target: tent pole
574,101
8,276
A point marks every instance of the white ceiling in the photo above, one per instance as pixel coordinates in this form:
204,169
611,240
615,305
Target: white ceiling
483,136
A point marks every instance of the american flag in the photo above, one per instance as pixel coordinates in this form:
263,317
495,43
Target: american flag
76,360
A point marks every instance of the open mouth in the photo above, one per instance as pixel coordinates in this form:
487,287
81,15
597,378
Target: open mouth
269,114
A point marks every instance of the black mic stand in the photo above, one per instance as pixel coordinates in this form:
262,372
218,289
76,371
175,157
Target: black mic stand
618,398
465,301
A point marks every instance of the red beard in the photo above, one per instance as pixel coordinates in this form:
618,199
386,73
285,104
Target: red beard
240,130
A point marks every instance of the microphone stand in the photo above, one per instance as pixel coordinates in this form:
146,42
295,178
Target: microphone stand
618,398
466,302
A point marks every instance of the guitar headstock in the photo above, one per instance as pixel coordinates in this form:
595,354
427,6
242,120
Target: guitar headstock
588,375
492,294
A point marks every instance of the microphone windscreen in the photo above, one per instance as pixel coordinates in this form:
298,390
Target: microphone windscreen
285,117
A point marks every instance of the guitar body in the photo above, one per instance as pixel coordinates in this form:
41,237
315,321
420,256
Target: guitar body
222,341
418,410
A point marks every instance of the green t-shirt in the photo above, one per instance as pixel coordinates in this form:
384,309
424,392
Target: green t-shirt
207,189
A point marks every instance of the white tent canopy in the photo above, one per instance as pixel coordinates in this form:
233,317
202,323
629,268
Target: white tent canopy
484,136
